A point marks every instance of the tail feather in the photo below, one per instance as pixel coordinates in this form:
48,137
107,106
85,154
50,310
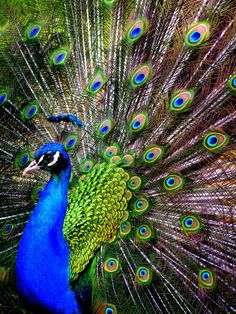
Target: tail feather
153,82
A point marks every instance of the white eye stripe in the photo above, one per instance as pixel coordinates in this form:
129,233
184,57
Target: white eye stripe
41,159
55,159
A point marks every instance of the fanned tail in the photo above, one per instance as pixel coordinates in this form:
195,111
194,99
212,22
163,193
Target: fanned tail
151,86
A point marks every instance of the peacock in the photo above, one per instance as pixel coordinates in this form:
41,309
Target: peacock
117,150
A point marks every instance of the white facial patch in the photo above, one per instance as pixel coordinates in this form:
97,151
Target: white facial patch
55,159
41,158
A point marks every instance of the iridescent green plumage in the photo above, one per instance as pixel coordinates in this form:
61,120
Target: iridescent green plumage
96,209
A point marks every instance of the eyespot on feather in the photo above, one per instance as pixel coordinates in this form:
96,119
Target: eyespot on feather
32,31
30,111
138,123
105,128
143,276
96,83
125,229
70,141
197,34
144,232
152,154
6,231
22,159
135,183
135,30
111,265
111,151
37,192
173,182
190,224
140,75
86,165
3,97
181,100
206,279
106,308
59,56
141,205
215,141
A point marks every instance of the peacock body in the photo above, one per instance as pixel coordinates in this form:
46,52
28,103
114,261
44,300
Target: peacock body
130,107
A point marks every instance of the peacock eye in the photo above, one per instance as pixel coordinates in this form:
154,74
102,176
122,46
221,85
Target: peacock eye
111,151
190,224
173,182
144,232
32,31
22,159
197,34
3,97
97,83
206,278
107,308
86,166
138,123
143,276
128,160
37,192
205,275
141,205
25,159
135,183
142,272
181,100
70,141
152,154
6,231
105,127
111,265
30,110
140,75
136,30
59,56
215,141
125,228
96,86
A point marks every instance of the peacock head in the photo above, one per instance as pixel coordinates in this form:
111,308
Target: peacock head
51,157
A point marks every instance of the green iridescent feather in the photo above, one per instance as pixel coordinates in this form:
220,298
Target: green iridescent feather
96,208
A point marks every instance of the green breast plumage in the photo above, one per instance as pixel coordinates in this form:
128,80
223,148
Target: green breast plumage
97,206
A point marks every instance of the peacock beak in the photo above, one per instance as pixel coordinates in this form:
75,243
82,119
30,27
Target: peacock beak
33,166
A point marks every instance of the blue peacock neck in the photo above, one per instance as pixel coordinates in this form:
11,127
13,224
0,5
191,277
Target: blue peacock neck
42,268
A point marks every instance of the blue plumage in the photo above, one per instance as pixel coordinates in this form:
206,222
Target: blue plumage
66,118
42,268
